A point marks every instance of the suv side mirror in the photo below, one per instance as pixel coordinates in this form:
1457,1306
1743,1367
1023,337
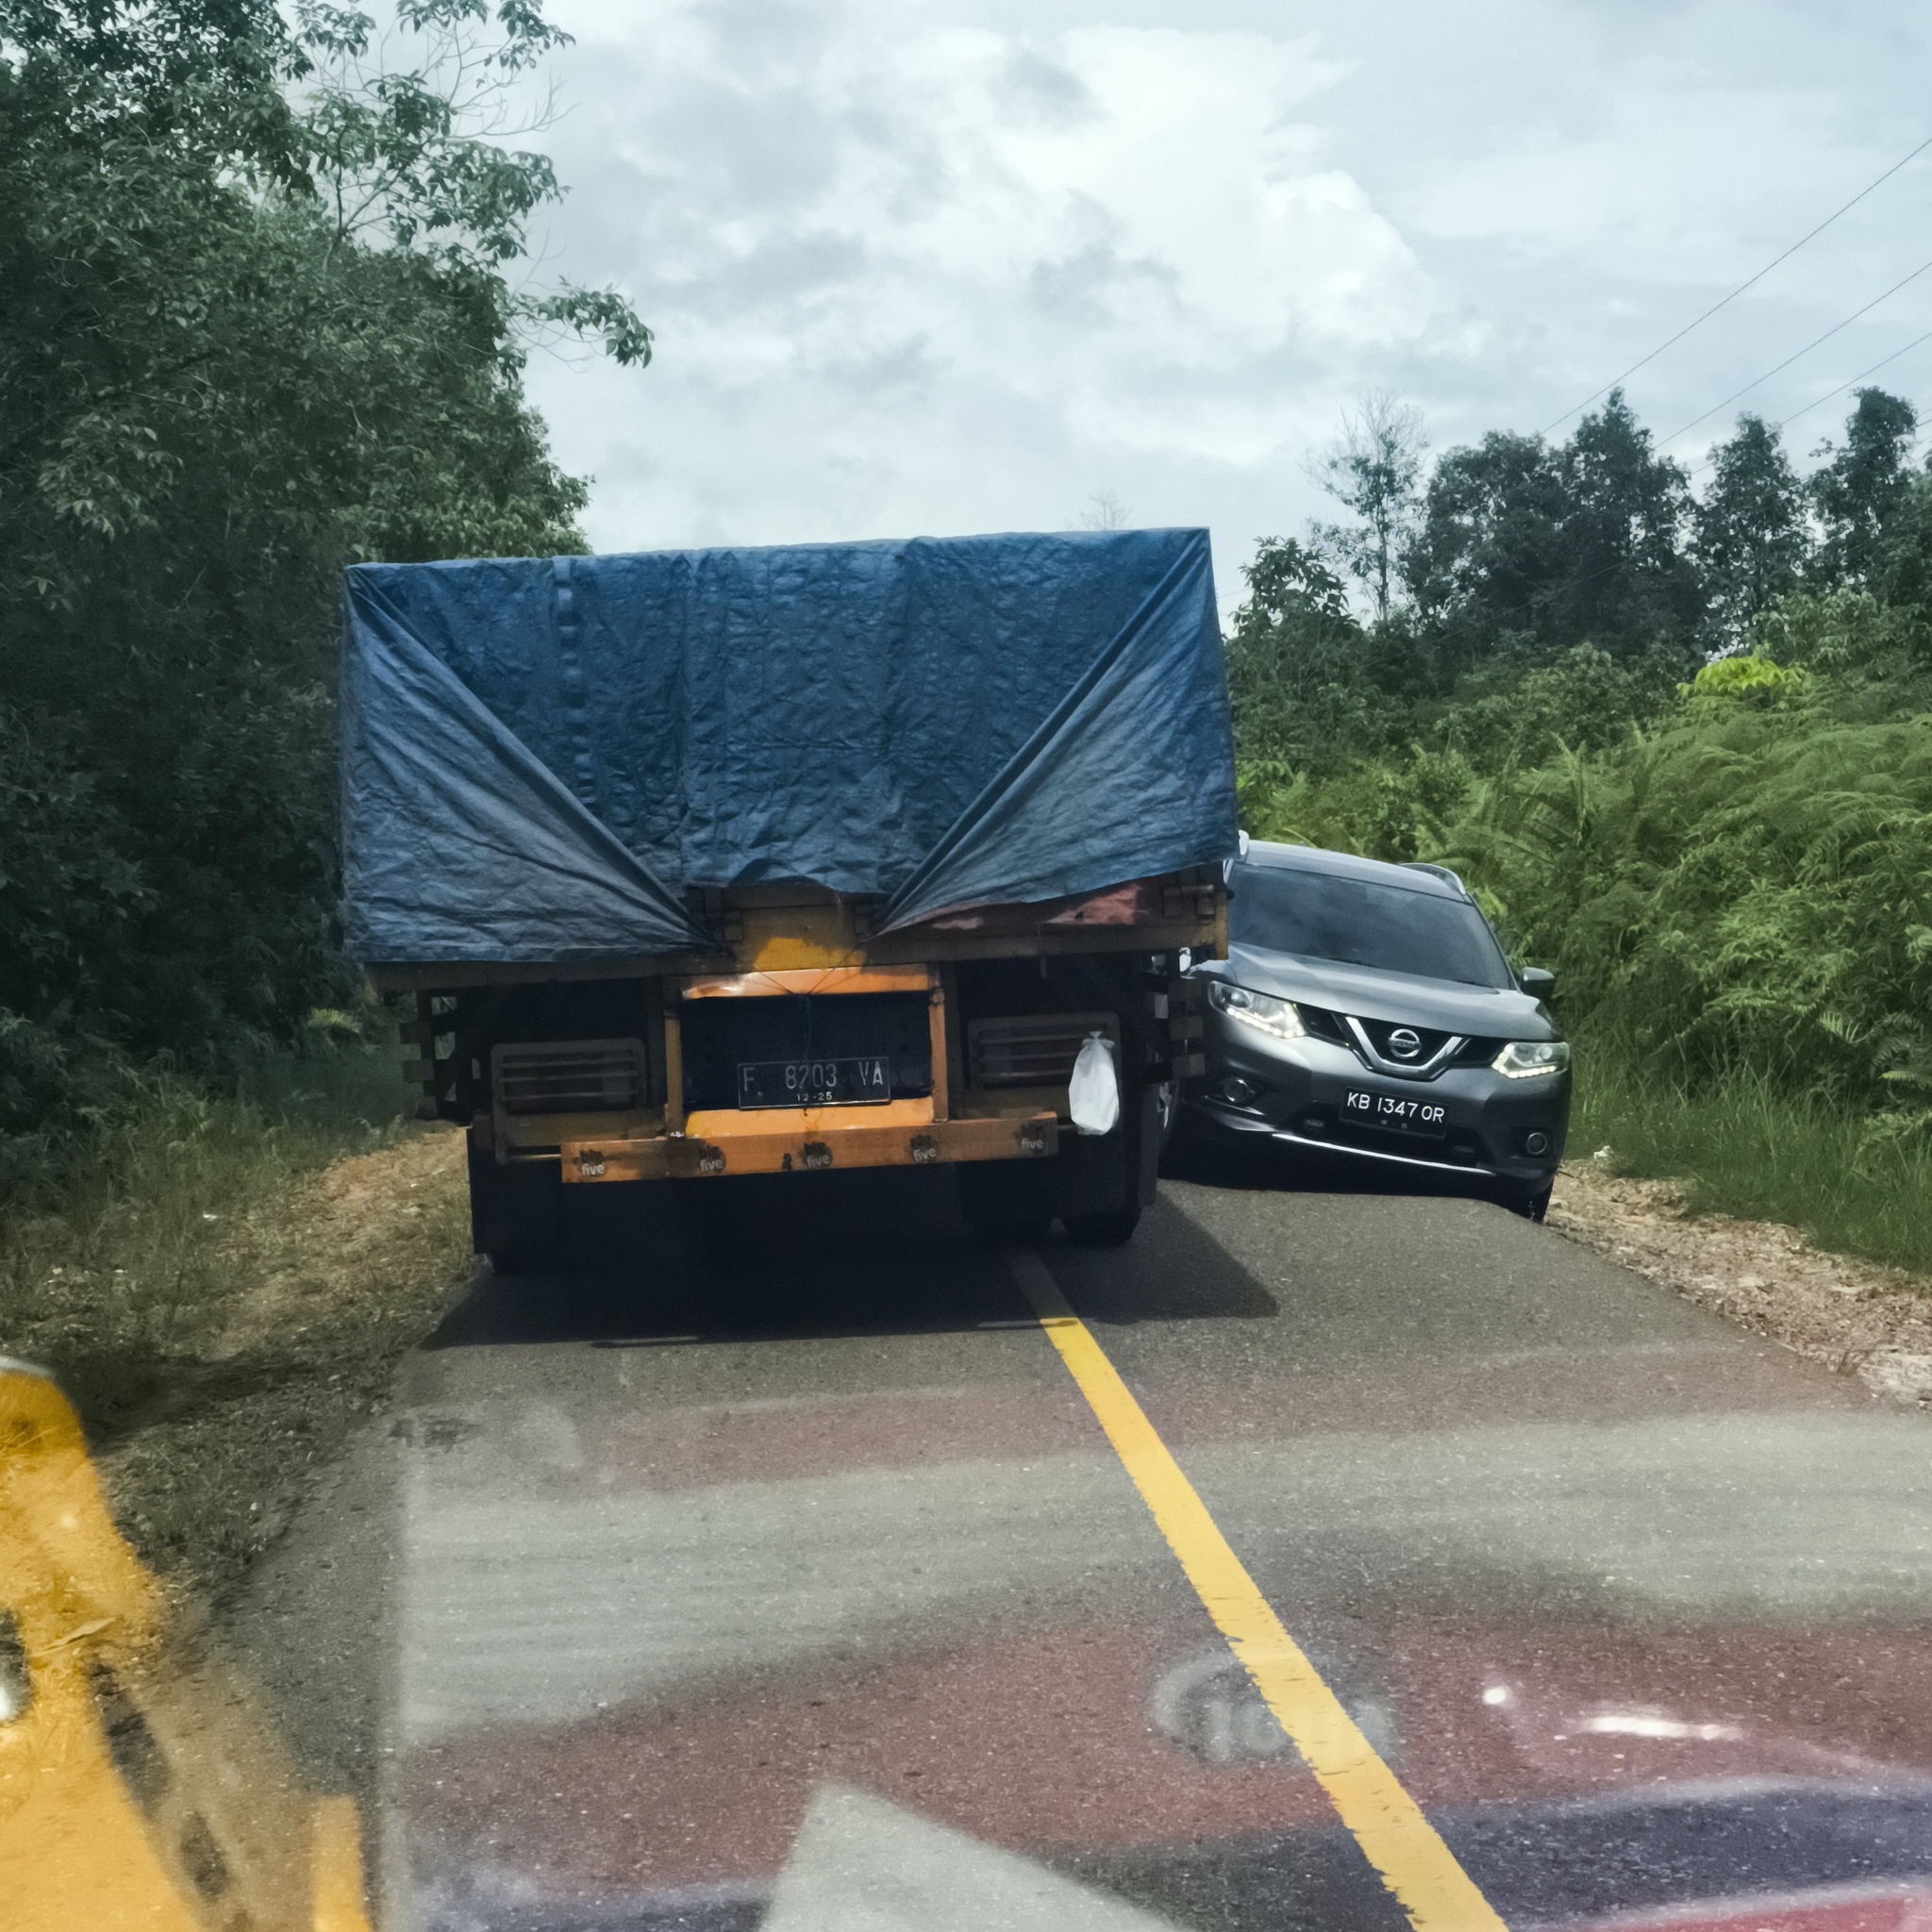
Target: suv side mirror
1537,981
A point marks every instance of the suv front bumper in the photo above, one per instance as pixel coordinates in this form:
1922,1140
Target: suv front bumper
1496,1129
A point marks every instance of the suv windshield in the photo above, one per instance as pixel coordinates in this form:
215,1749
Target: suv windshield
1323,916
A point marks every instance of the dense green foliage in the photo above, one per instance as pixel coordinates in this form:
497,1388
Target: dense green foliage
1681,748
253,326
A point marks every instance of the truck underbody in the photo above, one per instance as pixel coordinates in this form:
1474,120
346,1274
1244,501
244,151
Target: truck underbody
806,1043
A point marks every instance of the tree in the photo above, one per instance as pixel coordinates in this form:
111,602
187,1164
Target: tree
1296,675
212,395
415,157
1103,511
1488,548
1373,468
1860,484
1627,580
1904,578
1751,539
1523,546
1289,581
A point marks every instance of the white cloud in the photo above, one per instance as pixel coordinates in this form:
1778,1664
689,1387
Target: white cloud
941,265
960,277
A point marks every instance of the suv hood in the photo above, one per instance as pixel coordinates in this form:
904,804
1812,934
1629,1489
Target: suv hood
1370,994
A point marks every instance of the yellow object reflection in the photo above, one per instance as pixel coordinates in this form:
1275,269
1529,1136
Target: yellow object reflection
139,1788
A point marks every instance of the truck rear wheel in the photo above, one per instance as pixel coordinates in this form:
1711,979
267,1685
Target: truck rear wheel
1109,1229
516,1213
1008,1202
1107,1180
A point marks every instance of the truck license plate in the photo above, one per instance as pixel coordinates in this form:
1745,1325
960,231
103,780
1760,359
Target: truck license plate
815,1083
1394,1110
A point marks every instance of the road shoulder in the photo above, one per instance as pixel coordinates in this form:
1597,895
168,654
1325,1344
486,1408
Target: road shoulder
1856,1317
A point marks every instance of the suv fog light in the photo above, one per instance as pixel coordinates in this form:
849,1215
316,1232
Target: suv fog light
1236,1091
1536,1143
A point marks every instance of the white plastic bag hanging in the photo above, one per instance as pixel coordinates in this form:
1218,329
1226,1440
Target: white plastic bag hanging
1093,1094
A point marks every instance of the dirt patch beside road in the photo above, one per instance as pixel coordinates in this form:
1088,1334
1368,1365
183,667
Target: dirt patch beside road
346,1274
1857,1317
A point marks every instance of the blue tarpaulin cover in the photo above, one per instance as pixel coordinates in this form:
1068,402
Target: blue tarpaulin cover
541,757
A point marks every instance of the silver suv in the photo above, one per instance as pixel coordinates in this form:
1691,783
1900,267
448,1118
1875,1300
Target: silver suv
1368,1011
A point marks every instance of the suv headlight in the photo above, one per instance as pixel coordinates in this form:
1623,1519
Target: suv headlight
1521,1060
1260,1010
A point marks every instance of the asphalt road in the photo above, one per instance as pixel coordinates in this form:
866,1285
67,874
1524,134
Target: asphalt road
771,1570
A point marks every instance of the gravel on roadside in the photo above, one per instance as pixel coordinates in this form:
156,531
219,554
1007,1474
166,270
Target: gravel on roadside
1856,1316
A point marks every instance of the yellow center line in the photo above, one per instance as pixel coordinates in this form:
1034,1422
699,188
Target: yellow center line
1402,1846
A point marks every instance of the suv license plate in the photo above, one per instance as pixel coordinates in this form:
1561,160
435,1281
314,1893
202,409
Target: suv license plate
815,1083
1392,1111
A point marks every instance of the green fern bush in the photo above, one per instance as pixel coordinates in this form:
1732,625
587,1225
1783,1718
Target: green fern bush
1748,891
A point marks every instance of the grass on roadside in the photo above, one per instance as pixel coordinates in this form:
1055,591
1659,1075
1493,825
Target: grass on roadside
133,1241
1851,1183
222,1278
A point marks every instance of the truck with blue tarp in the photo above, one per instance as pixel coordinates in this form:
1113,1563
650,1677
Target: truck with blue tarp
710,864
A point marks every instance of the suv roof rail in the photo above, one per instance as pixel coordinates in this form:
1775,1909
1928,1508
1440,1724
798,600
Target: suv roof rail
1440,872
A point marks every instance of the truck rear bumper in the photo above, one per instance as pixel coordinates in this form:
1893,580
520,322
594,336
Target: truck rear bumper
807,1148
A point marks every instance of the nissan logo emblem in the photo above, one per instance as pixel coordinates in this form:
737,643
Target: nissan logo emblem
1403,1044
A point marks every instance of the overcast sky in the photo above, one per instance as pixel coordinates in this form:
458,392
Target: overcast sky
938,268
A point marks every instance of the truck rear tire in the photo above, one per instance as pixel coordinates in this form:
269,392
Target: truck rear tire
516,1213
1107,1180
1007,1202
1111,1230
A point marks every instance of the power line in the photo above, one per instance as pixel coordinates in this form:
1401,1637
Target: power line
1797,354
1739,289
1856,380
1784,421
1819,402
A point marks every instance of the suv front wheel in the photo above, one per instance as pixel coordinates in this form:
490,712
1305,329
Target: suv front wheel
1532,1202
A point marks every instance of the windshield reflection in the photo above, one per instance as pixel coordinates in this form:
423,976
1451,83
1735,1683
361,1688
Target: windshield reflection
712,1606
724,1596
141,1782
